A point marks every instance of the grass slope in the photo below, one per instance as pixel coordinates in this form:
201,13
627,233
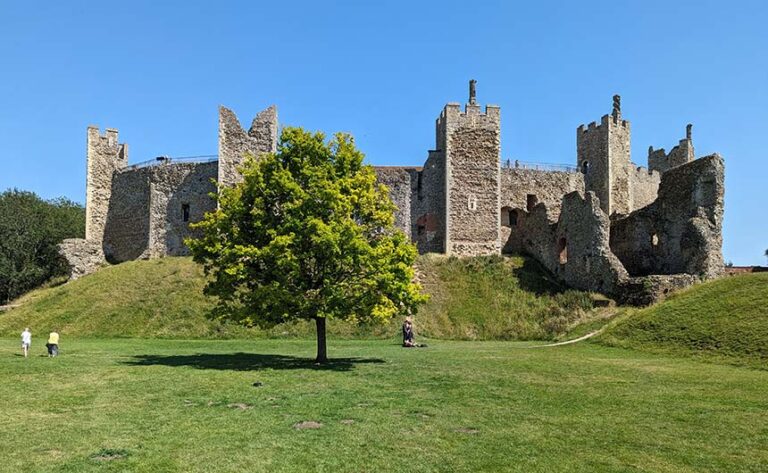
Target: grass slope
190,406
495,298
722,319
157,298
479,298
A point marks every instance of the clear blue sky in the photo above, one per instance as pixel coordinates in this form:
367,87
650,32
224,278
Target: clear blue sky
383,70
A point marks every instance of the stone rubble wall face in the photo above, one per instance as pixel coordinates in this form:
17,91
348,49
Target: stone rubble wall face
235,143
583,228
644,187
621,167
146,214
686,220
398,181
683,153
592,148
83,256
549,187
473,180
104,156
172,187
428,205
126,235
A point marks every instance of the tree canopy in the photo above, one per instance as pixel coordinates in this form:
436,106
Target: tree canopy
307,234
30,229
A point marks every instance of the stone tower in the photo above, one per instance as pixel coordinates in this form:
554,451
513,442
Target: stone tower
603,155
104,156
683,153
235,143
471,142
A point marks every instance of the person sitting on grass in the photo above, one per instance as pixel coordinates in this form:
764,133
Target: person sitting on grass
26,341
53,344
408,333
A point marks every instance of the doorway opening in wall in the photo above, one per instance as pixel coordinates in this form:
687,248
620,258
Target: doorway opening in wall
530,202
508,217
185,212
562,250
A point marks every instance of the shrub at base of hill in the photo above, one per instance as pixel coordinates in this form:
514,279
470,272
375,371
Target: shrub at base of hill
726,318
30,229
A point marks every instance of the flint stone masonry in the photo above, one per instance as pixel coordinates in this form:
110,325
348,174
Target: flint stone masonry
473,146
104,156
547,187
83,256
610,226
428,205
681,232
399,182
575,247
683,153
235,143
648,290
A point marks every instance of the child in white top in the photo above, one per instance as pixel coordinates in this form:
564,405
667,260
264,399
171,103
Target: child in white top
26,341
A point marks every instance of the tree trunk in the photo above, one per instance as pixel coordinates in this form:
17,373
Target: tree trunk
322,355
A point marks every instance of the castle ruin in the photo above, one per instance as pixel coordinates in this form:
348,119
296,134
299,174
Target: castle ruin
603,225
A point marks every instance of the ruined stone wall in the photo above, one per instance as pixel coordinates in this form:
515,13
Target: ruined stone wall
473,147
126,235
147,209
178,191
681,232
82,256
683,153
521,187
644,187
398,180
576,247
104,156
548,187
428,205
235,143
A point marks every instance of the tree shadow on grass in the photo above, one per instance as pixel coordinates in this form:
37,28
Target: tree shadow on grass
248,362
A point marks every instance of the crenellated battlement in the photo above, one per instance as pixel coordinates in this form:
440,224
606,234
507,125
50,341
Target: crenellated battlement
661,161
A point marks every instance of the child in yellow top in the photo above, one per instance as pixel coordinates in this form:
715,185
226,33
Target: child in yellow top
53,344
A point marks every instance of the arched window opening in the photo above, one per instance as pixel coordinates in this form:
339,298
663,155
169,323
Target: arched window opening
562,250
584,167
508,217
530,202
655,240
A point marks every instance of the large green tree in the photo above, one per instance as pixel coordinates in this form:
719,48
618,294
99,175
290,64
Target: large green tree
30,229
307,234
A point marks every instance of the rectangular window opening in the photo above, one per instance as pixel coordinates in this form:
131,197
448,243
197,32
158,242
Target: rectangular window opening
185,212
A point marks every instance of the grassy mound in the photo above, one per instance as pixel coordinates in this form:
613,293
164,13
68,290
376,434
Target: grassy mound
157,298
726,318
477,298
495,298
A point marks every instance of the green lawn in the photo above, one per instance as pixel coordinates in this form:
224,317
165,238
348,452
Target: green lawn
190,406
